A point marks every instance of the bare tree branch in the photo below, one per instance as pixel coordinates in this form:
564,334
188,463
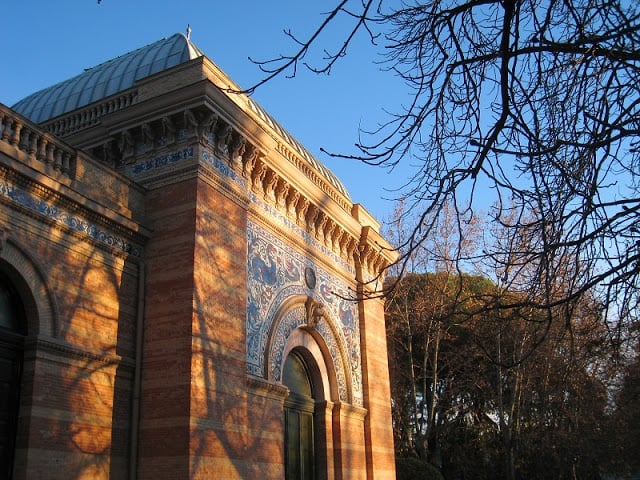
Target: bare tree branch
536,101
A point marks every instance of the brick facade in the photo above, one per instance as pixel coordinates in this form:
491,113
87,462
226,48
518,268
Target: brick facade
171,246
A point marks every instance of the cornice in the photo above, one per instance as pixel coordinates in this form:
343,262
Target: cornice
162,150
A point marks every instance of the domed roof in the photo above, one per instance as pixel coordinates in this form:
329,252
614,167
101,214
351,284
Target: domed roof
107,78
122,72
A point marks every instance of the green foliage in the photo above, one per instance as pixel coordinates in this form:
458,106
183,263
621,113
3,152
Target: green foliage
414,469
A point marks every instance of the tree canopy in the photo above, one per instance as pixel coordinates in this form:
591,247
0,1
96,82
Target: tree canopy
536,102
467,400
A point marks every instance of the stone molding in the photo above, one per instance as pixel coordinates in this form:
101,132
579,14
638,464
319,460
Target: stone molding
348,410
266,388
42,203
40,347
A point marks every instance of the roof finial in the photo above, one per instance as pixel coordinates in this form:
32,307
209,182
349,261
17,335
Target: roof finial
188,32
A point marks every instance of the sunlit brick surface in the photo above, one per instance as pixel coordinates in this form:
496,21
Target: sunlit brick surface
171,247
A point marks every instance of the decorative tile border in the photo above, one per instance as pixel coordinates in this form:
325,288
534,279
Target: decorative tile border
161,161
223,168
63,217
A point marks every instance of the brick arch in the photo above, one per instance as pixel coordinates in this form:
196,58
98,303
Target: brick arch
290,330
317,356
27,278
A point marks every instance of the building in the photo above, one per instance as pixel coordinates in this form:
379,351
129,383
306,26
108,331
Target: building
182,287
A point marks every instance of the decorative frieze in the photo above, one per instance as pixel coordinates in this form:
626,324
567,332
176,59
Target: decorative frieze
161,161
157,143
60,215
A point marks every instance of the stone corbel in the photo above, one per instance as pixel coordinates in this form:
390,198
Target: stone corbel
223,142
365,257
292,202
380,265
249,160
148,136
339,241
238,147
257,176
281,192
315,312
168,131
350,247
320,226
270,181
126,146
302,207
312,215
108,155
328,234
191,123
207,127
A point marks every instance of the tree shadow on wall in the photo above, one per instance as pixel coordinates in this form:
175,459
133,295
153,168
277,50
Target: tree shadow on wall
77,379
232,426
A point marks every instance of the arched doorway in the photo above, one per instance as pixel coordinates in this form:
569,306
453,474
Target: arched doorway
300,443
12,332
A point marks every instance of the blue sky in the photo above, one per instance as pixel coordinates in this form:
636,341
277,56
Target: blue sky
45,42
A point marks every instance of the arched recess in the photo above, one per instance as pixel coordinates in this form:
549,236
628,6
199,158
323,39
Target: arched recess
38,304
24,302
316,356
308,430
293,327
28,302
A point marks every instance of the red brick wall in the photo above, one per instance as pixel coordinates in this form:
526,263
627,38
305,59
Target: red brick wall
166,374
377,394
219,438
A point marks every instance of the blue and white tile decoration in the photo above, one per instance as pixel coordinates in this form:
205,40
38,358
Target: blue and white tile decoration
279,218
161,161
275,273
63,217
222,167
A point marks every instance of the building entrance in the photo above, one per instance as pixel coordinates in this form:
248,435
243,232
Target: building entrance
300,462
12,330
